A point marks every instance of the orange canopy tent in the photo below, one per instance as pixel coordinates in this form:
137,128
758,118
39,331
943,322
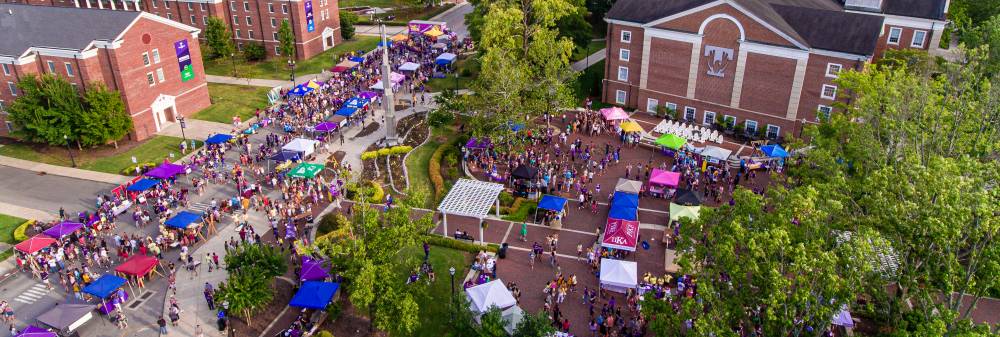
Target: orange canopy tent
35,243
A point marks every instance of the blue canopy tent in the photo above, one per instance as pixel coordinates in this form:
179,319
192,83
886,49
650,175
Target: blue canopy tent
218,138
516,126
445,59
142,185
300,90
104,286
357,59
551,203
356,102
624,206
385,43
183,220
346,111
285,156
774,150
314,295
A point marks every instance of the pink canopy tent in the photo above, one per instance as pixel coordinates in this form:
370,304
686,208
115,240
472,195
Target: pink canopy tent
621,234
614,113
664,178
35,243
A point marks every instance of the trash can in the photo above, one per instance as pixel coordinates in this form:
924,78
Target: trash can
502,252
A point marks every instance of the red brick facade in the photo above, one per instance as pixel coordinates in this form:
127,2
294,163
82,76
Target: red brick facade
123,67
250,21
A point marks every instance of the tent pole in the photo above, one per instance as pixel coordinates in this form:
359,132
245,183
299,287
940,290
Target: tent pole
498,207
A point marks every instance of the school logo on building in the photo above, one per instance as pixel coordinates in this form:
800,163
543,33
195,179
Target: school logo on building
719,59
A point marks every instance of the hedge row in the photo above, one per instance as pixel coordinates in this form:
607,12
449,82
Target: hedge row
19,232
435,170
395,150
130,170
441,241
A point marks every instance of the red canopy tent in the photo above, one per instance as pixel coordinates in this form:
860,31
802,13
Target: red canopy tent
35,243
621,234
137,265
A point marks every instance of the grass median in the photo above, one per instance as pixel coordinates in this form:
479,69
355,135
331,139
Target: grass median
276,67
233,100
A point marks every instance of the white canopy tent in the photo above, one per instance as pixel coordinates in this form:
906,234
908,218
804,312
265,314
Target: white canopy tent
716,153
628,186
488,295
409,66
618,275
471,198
305,146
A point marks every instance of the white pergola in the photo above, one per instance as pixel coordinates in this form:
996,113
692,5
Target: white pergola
471,198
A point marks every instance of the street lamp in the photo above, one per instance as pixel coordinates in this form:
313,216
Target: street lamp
291,65
68,150
456,80
183,126
232,59
451,271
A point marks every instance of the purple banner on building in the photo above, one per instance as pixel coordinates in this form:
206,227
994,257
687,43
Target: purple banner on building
310,23
184,60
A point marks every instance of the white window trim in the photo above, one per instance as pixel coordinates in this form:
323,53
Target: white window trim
671,106
274,22
654,102
69,69
249,21
694,113
898,38
727,118
246,6
52,66
777,131
923,41
160,76
626,32
627,54
146,61
746,125
6,69
822,92
277,50
270,8
819,110
12,87
156,55
620,68
831,65
150,75
708,121
623,95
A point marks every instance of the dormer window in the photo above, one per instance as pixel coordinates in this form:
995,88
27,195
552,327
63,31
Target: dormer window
865,5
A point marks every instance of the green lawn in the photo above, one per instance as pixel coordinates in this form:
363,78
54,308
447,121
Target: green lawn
152,150
7,225
592,47
233,100
277,68
417,167
588,84
468,69
434,306
373,3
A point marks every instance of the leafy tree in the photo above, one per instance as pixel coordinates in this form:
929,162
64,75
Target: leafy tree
986,34
217,39
246,291
112,121
534,325
575,26
265,260
347,22
492,324
286,40
50,110
254,51
368,259
449,104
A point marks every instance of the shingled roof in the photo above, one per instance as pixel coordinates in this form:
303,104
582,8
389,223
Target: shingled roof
27,26
925,9
820,24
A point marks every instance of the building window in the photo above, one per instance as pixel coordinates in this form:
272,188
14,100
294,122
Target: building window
145,59
672,106
829,92
277,50
708,118
689,113
249,21
833,70
190,6
239,35
52,66
193,20
166,4
12,87
270,7
275,36
623,73
149,79
284,8
274,22
204,19
623,54
824,112
169,16
773,131
6,69
620,97
232,6
69,69
919,37
203,6
626,36
729,120
159,75
236,20
894,35
652,104
250,34
750,127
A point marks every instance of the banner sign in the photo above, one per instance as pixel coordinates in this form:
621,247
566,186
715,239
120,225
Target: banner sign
184,60
310,24
420,26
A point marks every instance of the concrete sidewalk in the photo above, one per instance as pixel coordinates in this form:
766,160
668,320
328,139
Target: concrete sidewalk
196,129
582,65
63,171
26,213
256,82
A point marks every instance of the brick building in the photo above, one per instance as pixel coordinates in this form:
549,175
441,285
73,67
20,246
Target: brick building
764,64
153,62
315,23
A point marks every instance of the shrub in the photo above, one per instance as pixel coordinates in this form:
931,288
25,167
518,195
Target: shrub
441,241
506,199
254,52
330,223
401,149
347,21
377,193
325,333
19,232
130,170
369,155
384,152
435,170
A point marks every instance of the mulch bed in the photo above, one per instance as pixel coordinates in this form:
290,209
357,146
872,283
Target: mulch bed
396,167
351,323
261,319
370,128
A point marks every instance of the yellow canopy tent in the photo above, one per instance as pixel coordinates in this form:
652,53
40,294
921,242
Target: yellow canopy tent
681,211
399,37
434,32
631,126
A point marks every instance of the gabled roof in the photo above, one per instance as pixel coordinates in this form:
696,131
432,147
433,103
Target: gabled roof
833,30
644,11
28,26
925,9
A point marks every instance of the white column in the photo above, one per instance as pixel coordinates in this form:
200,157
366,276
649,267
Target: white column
693,70
793,101
88,3
124,4
482,239
76,3
100,4
113,7
444,218
741,66
644,71
498,207
137,6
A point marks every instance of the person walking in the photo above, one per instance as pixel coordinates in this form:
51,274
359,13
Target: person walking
524,231
162,323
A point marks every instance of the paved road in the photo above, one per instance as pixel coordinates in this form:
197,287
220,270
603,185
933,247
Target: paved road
456,19
48,192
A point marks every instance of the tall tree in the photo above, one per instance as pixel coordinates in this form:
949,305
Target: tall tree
246,292
368,257
534,325
113,122
347,22
286,40
45,109
217,39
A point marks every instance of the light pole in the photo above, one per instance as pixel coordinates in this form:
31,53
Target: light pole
451,271
68,150
183,126
456,80
232,59
291,65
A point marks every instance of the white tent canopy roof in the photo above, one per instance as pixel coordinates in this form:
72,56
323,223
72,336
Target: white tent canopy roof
471,198
409,66
628,186
716,152
488,295
306,146
618,274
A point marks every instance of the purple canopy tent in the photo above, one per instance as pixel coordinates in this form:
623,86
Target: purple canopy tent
313,270
63,229
368,95
34,331
481,144
326,127
165,171
843,318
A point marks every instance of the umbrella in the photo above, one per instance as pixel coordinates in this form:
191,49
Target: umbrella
671,141
524,172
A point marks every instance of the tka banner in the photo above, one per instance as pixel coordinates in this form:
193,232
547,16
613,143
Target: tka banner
310,24
184,60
